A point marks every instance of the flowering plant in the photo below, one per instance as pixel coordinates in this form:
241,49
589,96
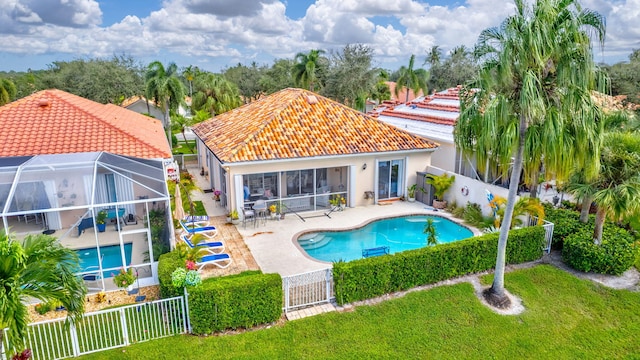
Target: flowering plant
181,277
190,265
124,278
273,208
343,201
217,192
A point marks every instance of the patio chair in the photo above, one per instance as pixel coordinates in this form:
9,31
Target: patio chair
220,260
92,275
197,220
208,246
208,231
248,215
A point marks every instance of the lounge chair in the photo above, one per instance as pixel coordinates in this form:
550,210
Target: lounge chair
209,246
197,220
220,260
208,231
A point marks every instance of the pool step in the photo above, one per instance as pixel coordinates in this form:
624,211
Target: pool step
313,242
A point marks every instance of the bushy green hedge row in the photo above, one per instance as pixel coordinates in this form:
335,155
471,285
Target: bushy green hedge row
166,265
615,255
368,278
566,222
238,301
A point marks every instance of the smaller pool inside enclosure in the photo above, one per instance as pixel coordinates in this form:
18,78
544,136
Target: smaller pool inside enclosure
398,234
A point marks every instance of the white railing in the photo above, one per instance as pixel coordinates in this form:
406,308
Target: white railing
183,159
548,231
106,329
307,289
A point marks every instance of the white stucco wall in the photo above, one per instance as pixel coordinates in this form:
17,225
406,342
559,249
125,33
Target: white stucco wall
363,179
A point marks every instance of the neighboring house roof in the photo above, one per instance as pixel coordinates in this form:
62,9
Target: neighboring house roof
56,122
432,116
296,123
402,94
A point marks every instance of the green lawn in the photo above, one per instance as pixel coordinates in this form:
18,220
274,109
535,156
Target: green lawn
565,318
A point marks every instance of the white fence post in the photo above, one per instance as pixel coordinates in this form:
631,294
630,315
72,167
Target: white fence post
328,277
125,332
186,309
285,285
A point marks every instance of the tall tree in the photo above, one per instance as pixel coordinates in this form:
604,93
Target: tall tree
308,68
278,77
412,79
215,94
164,86
189,73
351,77
7,91
535,87
247,79
434,56
180,123
457,69
37,268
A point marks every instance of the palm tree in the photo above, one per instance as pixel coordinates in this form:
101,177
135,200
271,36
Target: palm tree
215,94
306,68
39,268
181,123
164,86
434,56
411,79
535,94
616,190
7,91
189,73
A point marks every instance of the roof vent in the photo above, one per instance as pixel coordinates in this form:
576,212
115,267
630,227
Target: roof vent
44,102
312,99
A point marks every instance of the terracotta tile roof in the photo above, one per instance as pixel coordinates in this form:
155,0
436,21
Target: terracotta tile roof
56,122
296,123
402,94
439,108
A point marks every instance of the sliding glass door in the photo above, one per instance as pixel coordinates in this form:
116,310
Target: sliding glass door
390,178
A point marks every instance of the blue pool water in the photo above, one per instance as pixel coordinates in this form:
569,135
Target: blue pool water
399,234
111,260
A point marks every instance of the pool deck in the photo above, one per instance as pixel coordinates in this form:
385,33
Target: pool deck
273,244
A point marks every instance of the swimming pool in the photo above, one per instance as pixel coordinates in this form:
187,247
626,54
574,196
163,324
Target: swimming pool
111,257
399,234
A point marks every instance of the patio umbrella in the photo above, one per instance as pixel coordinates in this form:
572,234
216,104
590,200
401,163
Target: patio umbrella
178,212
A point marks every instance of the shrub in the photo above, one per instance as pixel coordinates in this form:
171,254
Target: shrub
167,264
43,308
615,255
566,222
238,301
371,277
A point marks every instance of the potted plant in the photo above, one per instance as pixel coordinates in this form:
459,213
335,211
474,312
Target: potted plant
101,220
234,217
125,278
411,193
216,195
273,210
440,183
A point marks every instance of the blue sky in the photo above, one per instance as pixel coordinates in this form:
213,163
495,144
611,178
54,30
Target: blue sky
214,34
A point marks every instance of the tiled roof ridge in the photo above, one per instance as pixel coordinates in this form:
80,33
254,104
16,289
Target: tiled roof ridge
60,95
419,117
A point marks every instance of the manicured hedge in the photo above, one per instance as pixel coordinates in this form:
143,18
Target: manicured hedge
167,263
615,255
566,222
368,278
238,301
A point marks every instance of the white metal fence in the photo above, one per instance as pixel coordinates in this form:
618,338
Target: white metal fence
107,329
548,231
315,287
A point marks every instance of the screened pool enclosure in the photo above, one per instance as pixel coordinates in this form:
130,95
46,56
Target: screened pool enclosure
69,195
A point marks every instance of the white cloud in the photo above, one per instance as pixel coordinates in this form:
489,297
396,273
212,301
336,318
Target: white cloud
194,31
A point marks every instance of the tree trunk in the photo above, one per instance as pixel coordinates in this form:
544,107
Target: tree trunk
167,122
586,206
495,295
601,215
187,142
533,192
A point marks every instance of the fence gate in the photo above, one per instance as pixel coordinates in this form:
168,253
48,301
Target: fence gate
106,329
307,289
